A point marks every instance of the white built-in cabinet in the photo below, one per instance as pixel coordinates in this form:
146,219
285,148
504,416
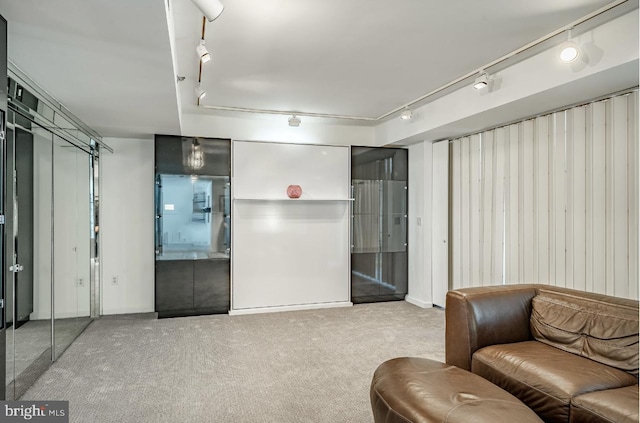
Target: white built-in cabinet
289,253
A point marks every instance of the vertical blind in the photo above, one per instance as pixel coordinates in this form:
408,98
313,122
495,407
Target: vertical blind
551,200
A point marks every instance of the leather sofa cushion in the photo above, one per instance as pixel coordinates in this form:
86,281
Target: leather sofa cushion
612,405
601,331
545,378
418,390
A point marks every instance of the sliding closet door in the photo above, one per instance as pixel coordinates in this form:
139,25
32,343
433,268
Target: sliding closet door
29,158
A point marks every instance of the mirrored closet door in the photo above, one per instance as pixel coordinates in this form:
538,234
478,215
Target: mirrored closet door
28,252
48,246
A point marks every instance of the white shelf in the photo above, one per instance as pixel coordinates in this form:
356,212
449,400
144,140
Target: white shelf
292,199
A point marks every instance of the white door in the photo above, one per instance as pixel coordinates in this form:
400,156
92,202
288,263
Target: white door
440,223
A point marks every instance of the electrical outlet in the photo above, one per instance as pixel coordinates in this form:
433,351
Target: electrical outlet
419,221
114,280
80,282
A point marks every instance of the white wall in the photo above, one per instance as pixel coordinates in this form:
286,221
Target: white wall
127,226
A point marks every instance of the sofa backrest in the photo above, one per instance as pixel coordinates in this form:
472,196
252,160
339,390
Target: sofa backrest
603,329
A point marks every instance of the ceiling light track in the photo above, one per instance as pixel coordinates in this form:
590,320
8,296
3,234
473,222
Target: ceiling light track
201,95
286,112
507,56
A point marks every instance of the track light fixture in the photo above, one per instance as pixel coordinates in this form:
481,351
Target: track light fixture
482,81
294,121
200,92
203,53
569,51
406,114
209,8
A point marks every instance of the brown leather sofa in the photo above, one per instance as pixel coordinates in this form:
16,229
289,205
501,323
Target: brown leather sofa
570,356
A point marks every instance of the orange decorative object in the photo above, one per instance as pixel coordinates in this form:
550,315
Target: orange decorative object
294,191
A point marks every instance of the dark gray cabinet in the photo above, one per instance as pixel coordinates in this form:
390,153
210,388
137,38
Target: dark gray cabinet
191,287
174,285
193,225
211,290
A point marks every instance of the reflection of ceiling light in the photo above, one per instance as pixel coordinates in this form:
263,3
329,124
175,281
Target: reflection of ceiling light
481,81
200,93
406,114
196,157
569,52
194,179
203,53
294,121
210,8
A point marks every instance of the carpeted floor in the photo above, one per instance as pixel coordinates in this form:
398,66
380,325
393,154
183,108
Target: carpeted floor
301,366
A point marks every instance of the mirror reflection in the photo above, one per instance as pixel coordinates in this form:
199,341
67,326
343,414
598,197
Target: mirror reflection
28,287
49,231
71,200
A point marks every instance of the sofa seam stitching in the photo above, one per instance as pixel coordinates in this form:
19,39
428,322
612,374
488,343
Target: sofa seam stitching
589,411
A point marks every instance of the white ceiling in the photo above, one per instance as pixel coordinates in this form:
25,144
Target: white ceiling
110,62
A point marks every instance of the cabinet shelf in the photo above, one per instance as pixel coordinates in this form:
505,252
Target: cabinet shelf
292,199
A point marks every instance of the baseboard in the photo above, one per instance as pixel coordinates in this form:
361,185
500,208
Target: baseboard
128,310
419,303
296,307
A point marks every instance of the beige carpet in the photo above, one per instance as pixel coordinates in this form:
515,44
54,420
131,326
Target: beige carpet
302,366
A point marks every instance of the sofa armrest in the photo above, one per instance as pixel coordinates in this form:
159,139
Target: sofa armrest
490,315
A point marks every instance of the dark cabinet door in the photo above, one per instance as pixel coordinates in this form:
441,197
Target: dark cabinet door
211,285
174,285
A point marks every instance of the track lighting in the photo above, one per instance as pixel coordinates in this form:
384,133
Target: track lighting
481,81
569,51
209,8
203,53
200,92
406,114
294,121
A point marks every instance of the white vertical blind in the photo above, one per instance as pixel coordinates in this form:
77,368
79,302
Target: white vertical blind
550,200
